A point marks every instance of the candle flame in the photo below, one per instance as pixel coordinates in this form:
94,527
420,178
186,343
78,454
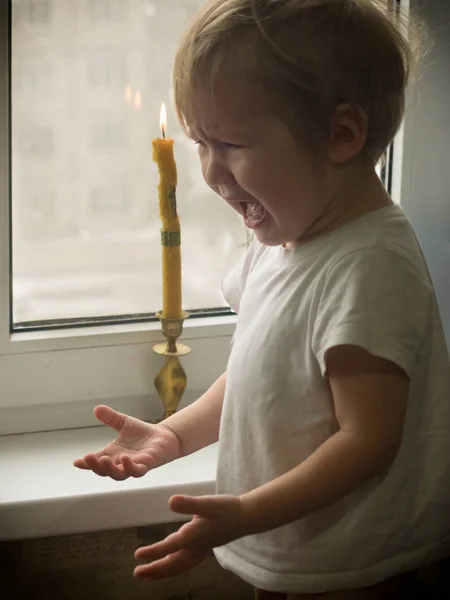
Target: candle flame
137,102
163,119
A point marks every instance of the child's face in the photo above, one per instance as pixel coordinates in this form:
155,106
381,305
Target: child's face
250,158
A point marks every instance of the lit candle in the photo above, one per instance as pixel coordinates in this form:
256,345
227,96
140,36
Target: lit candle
170,232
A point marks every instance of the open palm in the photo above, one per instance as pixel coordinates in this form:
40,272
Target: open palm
138,447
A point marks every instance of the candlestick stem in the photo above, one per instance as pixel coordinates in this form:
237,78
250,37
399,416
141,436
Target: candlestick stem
171,380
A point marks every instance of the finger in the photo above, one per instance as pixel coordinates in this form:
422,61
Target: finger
110,417
172,543
80,463
188,534
104,467
134,466
205,506
112,470
88,459
169,566
93,463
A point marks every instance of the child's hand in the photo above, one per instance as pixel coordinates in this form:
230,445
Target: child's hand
216,521
138,447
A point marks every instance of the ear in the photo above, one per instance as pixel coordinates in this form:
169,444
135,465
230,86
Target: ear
348,133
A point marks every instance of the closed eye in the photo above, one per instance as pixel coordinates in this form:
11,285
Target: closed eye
230,145
219,144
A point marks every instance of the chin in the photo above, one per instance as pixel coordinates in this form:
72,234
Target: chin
267,239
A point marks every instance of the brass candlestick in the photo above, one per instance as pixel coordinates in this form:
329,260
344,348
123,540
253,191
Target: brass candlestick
171,380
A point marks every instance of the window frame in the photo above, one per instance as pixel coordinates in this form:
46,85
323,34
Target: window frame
40,370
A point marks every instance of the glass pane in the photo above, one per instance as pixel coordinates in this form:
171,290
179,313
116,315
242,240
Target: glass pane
88,79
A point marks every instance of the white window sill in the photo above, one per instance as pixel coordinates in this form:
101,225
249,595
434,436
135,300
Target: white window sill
42,388
42,494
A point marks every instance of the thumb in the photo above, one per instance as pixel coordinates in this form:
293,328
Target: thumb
110,417
204,506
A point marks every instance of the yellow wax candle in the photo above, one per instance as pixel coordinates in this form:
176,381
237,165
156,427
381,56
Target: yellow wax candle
170,232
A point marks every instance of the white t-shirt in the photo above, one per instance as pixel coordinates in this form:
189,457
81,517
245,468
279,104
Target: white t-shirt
366,284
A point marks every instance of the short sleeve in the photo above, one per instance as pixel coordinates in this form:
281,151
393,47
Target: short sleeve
377,300
234,282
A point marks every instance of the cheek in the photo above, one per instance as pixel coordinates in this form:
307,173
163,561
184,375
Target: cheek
249,170
269,175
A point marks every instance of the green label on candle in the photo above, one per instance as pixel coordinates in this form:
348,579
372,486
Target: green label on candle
173,201
170,238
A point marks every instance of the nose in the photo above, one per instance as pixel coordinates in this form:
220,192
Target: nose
215,170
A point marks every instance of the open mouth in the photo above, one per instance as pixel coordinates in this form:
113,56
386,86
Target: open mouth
253,213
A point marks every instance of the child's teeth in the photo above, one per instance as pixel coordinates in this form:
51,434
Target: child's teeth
254,210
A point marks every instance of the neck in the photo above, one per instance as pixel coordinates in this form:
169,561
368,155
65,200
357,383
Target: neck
358,193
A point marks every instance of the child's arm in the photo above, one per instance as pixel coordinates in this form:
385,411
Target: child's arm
197,425
370,396
141,446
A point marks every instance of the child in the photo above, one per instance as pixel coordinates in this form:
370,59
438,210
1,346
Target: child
332,417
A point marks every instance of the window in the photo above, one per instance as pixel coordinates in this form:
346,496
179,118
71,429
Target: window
88,77
83,259
79,187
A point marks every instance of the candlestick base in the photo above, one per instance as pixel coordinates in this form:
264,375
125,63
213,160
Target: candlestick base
171,380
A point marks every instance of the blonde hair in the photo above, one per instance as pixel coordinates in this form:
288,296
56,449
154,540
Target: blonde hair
311,54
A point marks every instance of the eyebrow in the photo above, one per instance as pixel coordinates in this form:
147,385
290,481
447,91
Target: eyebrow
228,137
